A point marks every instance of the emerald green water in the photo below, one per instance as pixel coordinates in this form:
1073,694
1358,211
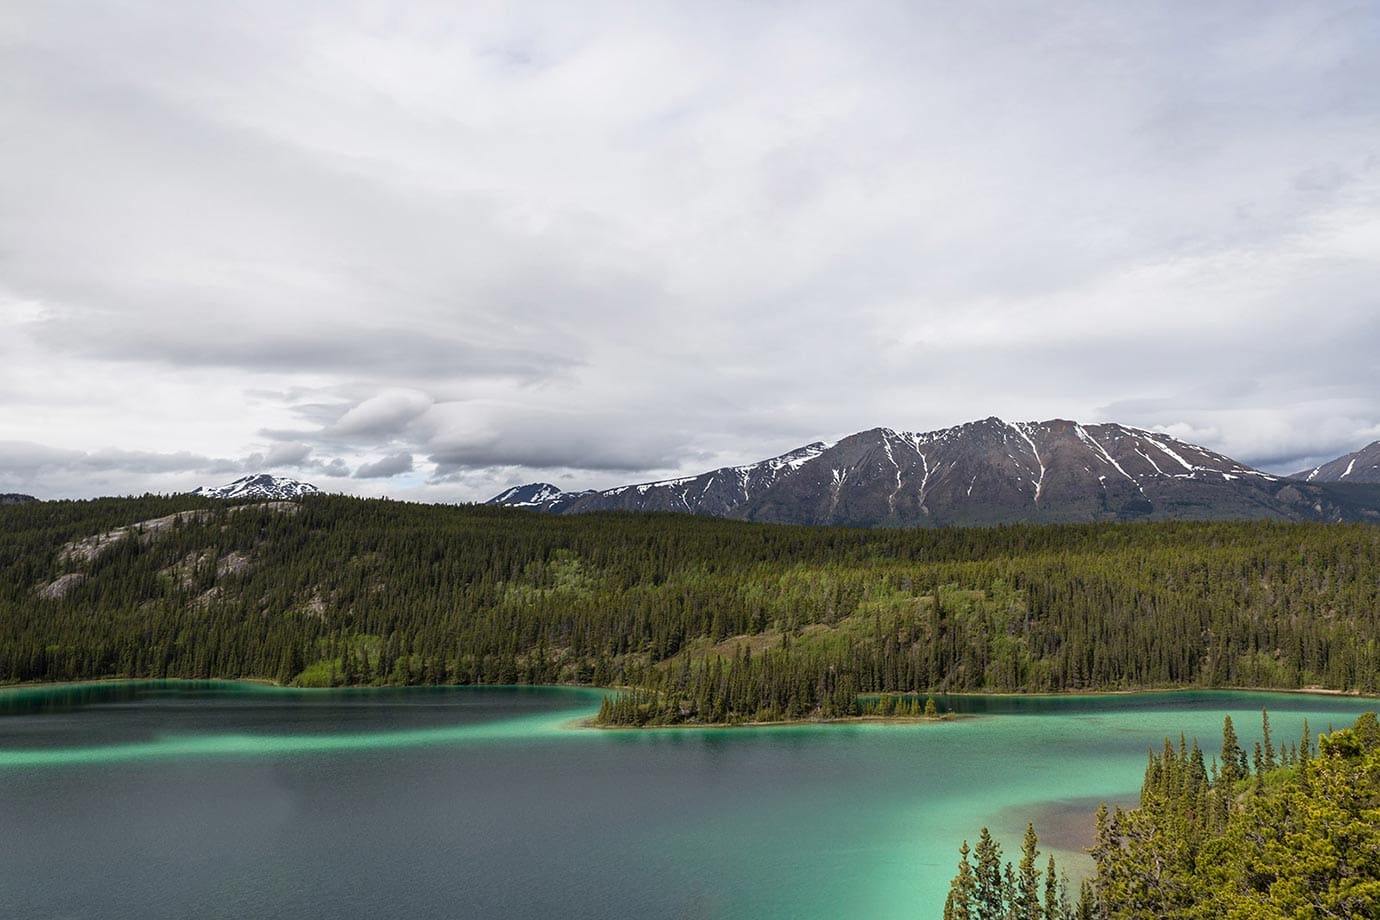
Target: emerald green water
228,800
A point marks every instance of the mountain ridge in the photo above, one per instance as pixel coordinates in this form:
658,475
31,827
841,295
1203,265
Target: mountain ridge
981,472
259,485
1358,466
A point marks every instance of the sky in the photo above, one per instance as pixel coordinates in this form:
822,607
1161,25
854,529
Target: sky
433,250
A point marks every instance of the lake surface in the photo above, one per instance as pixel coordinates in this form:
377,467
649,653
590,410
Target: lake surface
174,800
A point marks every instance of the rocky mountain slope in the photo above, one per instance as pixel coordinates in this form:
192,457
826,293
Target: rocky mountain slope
15,498
1358,466
259,485
983,472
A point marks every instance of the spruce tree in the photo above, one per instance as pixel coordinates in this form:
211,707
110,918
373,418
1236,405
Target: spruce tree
962,890
1027,900
1269,750
1056,893
987,901
1233,758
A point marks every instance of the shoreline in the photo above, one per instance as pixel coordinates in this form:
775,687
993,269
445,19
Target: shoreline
590,723
267,683
1138,691
103,681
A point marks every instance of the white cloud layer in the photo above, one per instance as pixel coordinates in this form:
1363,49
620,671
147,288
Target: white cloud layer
436,249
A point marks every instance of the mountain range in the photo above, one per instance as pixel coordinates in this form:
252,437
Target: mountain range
993,472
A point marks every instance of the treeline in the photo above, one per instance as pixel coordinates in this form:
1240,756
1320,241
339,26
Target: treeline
1293,833
710,620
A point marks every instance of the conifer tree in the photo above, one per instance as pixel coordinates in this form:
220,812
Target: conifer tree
1027,901
1233,758
1056,893
988,903
962,890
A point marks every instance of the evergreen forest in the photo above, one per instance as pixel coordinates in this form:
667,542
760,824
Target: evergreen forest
697,619
1281,834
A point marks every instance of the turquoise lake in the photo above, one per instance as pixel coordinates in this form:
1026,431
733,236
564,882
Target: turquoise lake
175,800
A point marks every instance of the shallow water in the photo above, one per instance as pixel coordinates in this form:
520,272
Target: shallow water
178,800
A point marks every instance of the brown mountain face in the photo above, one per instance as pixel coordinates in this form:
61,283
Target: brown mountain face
1358,466
985,472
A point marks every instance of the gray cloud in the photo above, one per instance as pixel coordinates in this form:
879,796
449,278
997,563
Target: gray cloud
590,451
385,467
334,468
26,460
290,455
384,414
624,242
287,454
381,352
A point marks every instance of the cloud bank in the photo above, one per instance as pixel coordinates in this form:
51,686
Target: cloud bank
443,249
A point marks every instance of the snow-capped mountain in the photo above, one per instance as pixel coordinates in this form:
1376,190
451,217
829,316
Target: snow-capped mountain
533,495
259,485
983,472
1358,466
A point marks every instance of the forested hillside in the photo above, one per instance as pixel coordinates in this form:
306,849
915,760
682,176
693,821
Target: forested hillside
713,620
1288,832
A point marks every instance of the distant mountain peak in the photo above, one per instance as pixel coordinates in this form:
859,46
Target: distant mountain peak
15,498
532,495
259,485
1358,466
987,471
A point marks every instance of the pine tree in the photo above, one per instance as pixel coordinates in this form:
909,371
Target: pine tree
987,902
1027,900
1269,746
1088,908
1056,893
1233,758
962,890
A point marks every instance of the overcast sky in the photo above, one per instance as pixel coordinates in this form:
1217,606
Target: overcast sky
433,250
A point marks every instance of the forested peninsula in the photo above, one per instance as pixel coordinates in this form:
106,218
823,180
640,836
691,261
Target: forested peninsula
701,620
1287,833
